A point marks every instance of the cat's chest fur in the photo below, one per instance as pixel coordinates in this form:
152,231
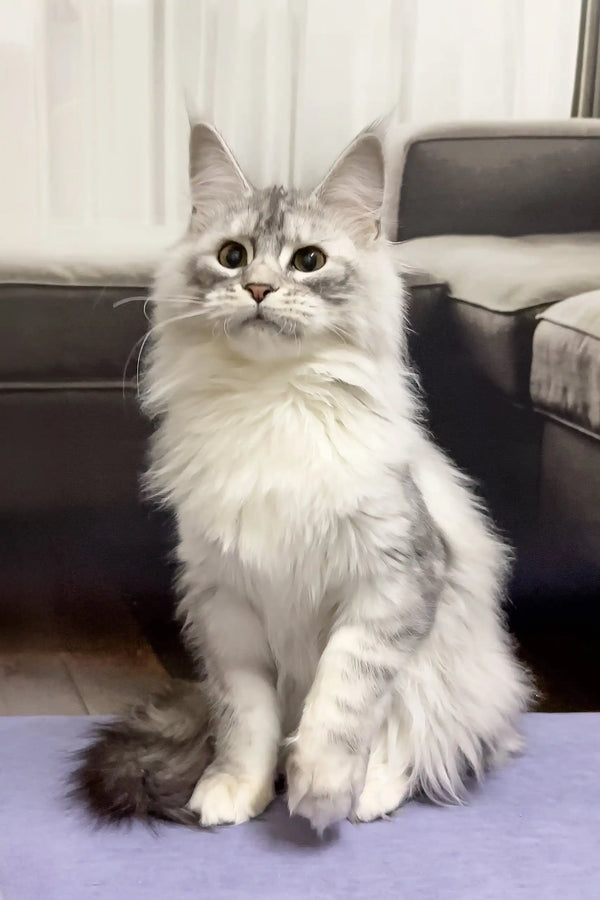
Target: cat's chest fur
268,475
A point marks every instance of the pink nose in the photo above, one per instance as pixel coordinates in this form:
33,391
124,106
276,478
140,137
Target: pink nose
259,291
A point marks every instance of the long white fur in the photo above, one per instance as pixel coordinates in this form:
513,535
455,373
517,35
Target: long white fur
269,458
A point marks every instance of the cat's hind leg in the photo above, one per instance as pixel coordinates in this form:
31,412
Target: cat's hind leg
460,697
386,783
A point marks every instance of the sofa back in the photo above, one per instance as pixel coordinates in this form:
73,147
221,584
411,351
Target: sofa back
511,179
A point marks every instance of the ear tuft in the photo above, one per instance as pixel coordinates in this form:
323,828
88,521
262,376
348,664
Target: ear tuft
354,185
215,177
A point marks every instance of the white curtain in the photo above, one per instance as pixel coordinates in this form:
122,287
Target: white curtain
95,94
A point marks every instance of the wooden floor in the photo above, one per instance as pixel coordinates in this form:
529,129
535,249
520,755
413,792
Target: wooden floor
70,658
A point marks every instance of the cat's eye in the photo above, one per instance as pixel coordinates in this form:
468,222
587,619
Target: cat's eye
308,259
233,255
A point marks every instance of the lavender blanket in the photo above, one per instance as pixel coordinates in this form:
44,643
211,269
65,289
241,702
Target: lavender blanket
533,831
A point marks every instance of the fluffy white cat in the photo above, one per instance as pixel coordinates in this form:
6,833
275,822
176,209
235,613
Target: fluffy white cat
339,581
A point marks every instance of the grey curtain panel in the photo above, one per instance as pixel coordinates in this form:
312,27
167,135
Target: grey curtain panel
586,96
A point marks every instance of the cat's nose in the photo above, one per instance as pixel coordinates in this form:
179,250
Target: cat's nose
259,291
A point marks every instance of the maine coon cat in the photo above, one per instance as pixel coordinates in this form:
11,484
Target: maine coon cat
339,581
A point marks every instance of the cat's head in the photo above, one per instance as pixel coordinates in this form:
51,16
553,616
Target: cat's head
275,272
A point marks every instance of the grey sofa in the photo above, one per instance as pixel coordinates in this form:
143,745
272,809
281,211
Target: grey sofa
485,300
73,531
500,232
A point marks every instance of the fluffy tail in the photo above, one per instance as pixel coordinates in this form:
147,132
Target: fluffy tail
146,765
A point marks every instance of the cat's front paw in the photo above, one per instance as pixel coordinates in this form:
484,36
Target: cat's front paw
323,782
222,798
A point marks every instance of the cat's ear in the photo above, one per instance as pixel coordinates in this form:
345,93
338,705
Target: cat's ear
354,185
215,177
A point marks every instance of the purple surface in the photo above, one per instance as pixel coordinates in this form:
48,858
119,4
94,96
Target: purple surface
532,831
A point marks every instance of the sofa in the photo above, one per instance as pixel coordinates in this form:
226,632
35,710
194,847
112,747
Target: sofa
499,231
73,528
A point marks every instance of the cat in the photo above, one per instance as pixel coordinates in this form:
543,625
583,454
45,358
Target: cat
339,580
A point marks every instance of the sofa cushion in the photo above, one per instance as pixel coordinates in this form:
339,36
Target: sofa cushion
496,286
565,371
124,257
505,178
69,335
62,315
68,448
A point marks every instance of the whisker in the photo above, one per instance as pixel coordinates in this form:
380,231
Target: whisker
127,361
150,332
148,298
335,329
143,340
180,298
125,300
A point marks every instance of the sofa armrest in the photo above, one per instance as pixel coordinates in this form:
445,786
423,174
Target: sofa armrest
507,179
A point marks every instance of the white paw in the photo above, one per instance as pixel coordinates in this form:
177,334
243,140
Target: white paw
382,794
221,798
322,786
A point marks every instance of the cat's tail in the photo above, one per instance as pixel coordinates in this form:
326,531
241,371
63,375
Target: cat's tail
146,764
